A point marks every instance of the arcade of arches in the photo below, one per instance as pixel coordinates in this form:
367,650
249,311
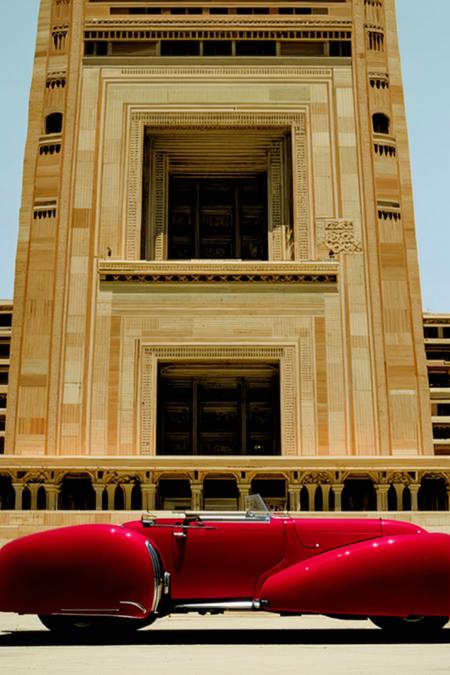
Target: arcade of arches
293,490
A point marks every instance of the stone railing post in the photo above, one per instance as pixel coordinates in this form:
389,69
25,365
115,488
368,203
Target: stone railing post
18,490
111,491
399,487
148,496
244,491
414,490
51,496
294,498
337,491
33,487
98,489
326,487
197,493
382,490
127,489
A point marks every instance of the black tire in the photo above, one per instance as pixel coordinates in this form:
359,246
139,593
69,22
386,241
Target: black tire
410,625
92,625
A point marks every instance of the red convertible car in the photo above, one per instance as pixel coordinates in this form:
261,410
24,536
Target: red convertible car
106,578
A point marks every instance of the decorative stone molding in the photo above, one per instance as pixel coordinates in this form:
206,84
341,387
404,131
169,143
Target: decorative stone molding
244,72
285,355
399,477
229,119
228,20
319,478
338,236
222,272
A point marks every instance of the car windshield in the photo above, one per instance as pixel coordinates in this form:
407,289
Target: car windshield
256,506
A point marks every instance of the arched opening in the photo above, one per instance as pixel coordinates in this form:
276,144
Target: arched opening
304,499
7,494
119,499
359,495
392,499
77,493
406,500
220,494
26,499
272,490
318,499
136,497
173,494
41,502
432,494
380,123
53,123
105,500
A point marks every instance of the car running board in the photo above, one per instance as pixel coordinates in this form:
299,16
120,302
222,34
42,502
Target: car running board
228,605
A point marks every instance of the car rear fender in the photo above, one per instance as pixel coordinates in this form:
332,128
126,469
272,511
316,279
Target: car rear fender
86,569
398,575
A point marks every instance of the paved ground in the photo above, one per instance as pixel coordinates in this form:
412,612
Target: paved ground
231,644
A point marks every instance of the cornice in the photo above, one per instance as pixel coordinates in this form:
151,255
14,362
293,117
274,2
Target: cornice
219,273
212,21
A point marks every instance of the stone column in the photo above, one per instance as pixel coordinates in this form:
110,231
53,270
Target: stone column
127,489
311,488
382,490
294,497
196,500
110,490
33,487
98,489
244,491
18,489
414,490
326,487
399,487
148,496
337,491
51,496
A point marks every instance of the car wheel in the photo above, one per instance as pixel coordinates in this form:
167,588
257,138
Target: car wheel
410,625
76,625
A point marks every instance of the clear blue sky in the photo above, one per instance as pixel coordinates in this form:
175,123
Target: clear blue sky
425,57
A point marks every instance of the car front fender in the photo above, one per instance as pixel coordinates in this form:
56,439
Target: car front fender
398,575
86,569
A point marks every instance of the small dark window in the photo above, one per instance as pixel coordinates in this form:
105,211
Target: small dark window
218,10
255,48
217,48
4,350
180,48
342,48
430,332
53,123
380,123
5,320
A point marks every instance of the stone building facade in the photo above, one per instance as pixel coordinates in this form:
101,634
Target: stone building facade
217,284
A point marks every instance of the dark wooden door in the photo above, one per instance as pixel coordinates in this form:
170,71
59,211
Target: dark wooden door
218,218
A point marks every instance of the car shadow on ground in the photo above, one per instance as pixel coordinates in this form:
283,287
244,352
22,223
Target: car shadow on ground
336,636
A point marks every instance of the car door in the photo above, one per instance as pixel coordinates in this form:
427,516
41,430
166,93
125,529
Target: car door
224,560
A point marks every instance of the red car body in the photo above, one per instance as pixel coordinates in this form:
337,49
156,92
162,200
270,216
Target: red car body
101,575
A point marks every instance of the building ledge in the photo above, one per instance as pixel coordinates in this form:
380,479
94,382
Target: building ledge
183,463
322,274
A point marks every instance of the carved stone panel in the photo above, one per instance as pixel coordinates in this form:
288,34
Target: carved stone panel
285,355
